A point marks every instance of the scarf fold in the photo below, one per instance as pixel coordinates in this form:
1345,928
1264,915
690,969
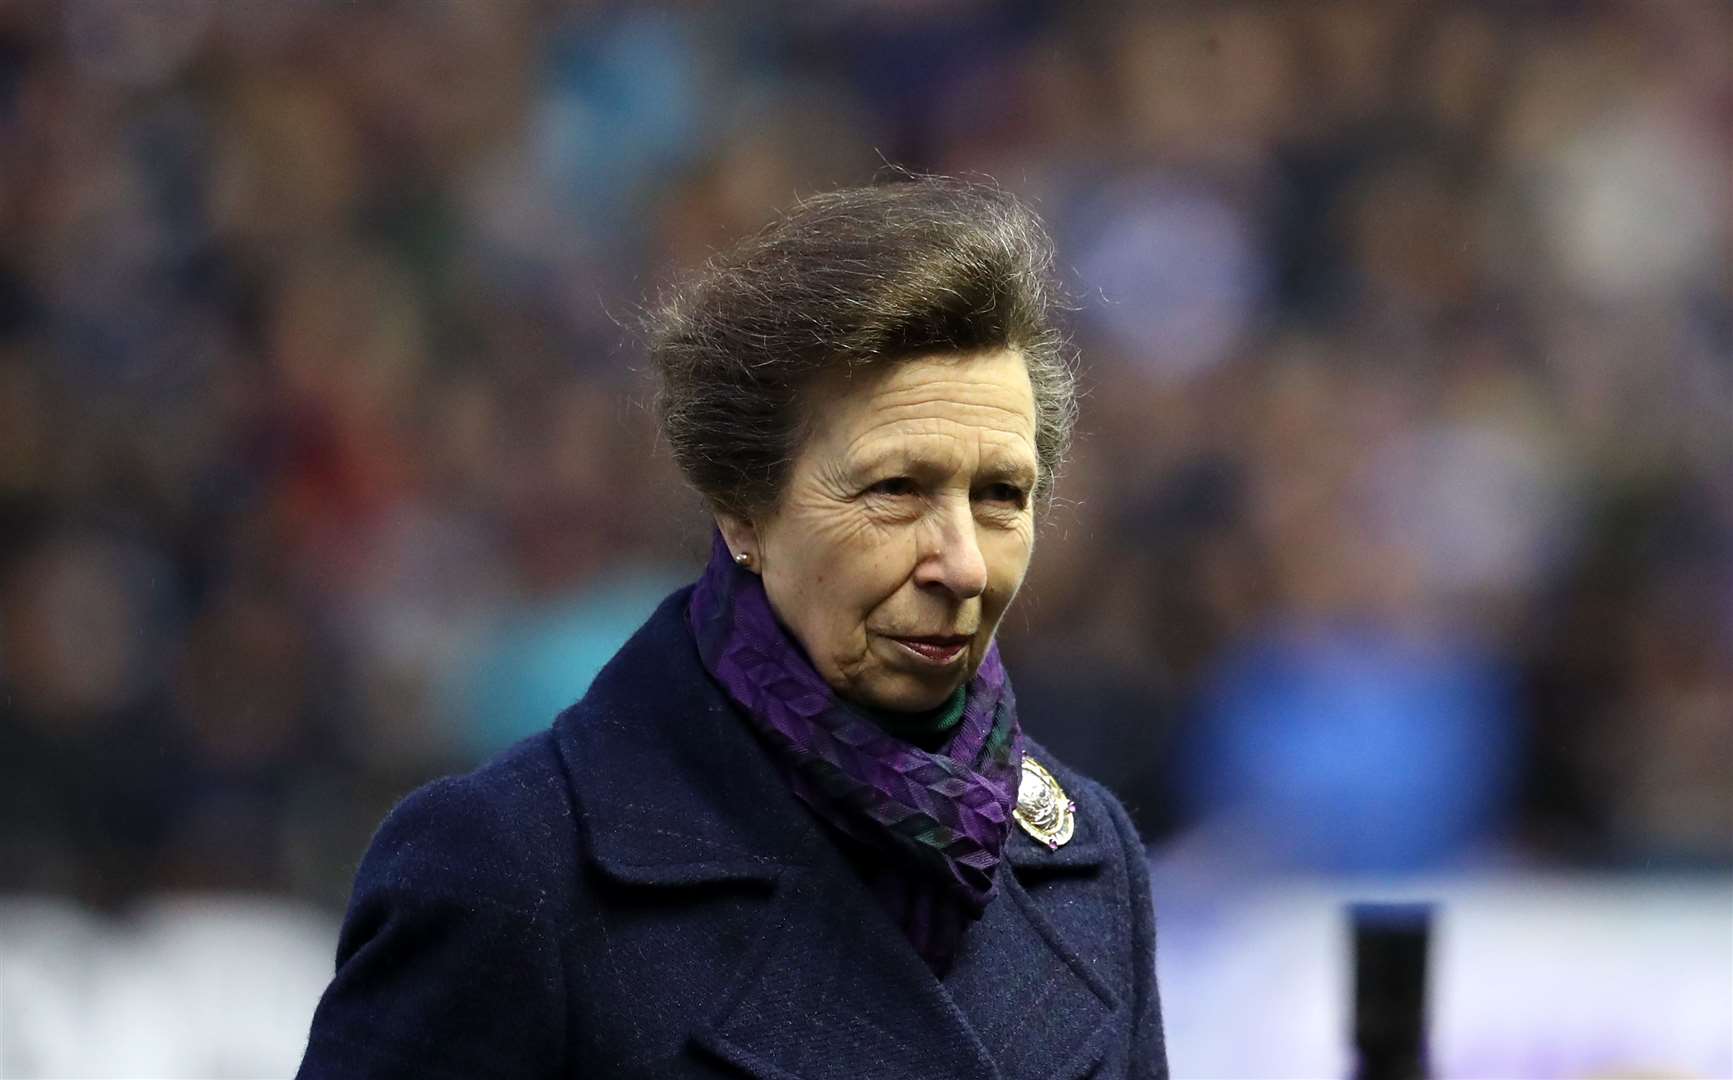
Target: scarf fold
941,817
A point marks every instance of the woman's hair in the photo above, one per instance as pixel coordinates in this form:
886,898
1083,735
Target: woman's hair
918,266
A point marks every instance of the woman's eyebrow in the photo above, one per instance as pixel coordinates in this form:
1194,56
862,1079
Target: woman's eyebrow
1001,469
902,462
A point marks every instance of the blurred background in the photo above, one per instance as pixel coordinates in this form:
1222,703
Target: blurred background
1396,554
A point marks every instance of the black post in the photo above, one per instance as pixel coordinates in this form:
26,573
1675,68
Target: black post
1390,947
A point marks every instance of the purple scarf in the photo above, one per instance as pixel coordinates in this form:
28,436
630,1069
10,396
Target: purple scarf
941,818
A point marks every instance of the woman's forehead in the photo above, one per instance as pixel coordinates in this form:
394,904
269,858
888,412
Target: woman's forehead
982,395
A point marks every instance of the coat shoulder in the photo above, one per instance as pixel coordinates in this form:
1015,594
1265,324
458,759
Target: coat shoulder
500,835
449,962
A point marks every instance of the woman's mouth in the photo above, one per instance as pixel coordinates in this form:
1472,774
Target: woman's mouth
937,650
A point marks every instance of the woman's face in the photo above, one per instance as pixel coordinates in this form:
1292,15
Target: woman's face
905,526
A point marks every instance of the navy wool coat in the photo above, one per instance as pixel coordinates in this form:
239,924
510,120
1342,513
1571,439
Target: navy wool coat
637,893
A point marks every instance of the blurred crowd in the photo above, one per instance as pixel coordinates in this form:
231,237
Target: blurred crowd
1399,534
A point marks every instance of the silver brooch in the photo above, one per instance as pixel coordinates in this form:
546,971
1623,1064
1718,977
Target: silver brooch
1042,808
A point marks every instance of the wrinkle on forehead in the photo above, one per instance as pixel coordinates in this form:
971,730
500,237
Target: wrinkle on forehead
969,395
997,426
922,399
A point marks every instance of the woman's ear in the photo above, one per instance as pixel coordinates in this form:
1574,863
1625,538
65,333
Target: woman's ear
741,538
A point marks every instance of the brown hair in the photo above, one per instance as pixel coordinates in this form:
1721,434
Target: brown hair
858,276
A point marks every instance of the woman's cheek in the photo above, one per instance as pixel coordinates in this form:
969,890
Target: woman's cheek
1012,552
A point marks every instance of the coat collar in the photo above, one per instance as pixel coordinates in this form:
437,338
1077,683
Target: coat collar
670,786
673,790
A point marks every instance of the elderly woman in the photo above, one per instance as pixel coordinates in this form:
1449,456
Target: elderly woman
794,829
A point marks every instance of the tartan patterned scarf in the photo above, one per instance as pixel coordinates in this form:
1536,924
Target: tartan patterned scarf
940,819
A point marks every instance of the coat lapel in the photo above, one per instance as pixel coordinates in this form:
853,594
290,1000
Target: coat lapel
836,976
1024,990
672,790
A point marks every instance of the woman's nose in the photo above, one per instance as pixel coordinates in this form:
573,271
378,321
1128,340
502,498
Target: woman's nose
953,560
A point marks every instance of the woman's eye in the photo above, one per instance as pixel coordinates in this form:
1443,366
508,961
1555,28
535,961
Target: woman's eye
894,486
1008,494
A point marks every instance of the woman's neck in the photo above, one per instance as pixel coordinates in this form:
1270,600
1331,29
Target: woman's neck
929,730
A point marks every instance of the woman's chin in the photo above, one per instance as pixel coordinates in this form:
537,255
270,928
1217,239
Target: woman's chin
902,693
